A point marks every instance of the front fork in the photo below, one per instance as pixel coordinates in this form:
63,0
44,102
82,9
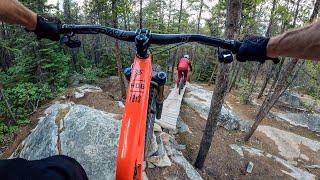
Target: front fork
159,80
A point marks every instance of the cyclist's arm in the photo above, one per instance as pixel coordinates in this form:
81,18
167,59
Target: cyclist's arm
301,43
11,11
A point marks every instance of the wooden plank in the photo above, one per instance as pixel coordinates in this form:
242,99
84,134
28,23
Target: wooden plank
171,109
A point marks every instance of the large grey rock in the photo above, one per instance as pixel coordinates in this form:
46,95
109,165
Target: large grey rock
189,169
300,101
308,120
153,146
86,88
88,135
76,79
291,99
245,125
199,99
157,128
290,144
182,127
160,158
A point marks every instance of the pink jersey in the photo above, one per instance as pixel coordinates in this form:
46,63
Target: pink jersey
184,63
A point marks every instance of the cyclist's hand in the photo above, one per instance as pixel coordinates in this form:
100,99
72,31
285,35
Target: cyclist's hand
254,48
47,29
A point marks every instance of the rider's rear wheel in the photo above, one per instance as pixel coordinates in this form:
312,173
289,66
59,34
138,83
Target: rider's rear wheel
150,118
181,84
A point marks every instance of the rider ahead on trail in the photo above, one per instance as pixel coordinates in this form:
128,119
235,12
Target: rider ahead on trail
183,67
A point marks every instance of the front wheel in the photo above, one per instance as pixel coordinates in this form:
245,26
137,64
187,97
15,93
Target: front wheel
150,119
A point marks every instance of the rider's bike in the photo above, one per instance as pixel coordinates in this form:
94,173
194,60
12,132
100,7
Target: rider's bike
145,90
181,83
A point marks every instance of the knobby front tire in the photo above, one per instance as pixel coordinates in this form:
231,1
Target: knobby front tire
181,83
150,118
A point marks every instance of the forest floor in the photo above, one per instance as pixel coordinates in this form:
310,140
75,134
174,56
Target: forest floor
222,161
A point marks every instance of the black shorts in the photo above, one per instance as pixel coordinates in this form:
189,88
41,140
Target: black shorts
51,168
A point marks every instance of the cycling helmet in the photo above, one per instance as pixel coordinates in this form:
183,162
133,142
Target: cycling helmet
186,56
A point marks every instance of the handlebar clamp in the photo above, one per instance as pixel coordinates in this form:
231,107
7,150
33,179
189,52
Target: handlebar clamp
142,42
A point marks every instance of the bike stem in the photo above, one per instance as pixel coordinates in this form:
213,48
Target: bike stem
142,43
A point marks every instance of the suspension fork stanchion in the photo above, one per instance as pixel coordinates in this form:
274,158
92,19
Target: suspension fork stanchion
161,79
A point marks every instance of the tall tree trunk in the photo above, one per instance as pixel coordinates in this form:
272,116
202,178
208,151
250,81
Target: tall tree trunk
5,55
214,72
141,16
233,16
315,11
176,54
180,16
234,75
169,15
266,80
199,16
296,14
117,51
68,19
195,48
268,33
276,76
252,82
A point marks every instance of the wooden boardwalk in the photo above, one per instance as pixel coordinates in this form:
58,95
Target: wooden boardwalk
171,109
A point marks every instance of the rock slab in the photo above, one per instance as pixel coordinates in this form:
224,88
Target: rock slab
85,134
199,99
84,89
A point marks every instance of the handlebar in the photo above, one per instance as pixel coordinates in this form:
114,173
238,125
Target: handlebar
161,39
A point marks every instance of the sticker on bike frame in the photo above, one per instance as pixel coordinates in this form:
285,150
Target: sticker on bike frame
137,90
137,86
135,98
137,72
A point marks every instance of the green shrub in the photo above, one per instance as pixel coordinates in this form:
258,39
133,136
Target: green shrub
92,74
4,129
23,99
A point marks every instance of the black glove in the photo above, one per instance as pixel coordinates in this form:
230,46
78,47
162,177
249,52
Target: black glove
254,49
47,29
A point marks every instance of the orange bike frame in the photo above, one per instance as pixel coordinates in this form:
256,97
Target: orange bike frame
132,135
